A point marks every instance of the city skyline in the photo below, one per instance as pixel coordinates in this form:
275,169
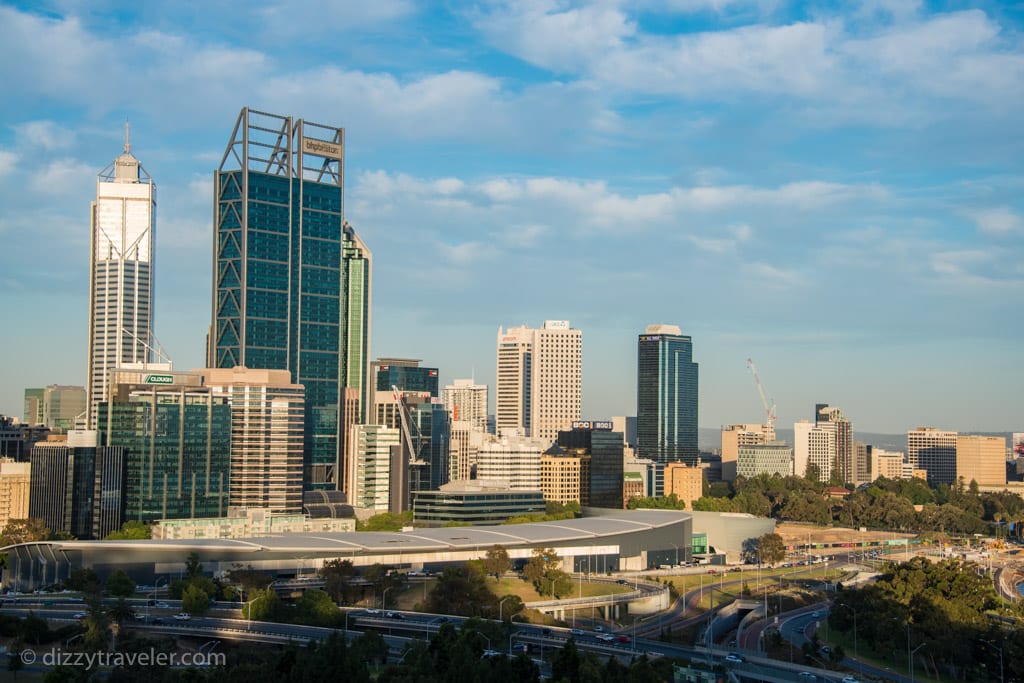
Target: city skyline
836,194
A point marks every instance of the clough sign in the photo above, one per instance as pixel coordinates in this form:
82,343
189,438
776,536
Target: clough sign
321,148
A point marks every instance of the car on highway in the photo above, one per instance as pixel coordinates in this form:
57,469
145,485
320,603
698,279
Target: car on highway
624,639
816,615
807,676
606,637
182,616
734,658
850,679
599,629
493,653
80,615
373,610
162,605
577,632
622,582
395,615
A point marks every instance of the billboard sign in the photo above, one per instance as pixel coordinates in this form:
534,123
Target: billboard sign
159,379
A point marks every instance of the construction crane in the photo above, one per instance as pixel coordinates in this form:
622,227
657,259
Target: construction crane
403,415
769,408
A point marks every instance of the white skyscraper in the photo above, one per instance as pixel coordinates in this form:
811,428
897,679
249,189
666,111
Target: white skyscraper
467,402
121,273
813,445
539,379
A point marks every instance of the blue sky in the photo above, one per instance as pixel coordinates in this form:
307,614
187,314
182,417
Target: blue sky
834,189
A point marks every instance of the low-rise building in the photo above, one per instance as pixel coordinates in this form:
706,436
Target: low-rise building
248,523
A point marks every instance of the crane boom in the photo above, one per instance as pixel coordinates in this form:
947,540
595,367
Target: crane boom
403,415
769,408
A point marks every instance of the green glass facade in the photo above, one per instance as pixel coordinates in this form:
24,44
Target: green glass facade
292,278
177,450
666,411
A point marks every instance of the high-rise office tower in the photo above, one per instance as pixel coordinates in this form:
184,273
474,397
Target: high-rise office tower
467,402
606,451
814,450
981,459
844,459
291,276
934,451
176,439
539,380
666,398
267,413
120,273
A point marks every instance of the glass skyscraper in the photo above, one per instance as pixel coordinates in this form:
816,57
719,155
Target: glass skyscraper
666,410
291,276
120,273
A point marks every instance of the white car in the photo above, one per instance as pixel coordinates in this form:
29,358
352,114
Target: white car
734,658
606,637
182,616
807,676
162,605
850,679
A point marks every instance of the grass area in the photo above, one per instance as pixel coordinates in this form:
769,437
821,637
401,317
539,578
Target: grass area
415,593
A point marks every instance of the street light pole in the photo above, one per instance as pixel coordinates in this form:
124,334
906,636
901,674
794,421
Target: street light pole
384,597
501,604
912,679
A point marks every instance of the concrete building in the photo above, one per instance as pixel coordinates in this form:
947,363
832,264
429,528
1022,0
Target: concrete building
636,470
736,435
122,236
56,406
626,425
813,445
564,477
771,458
933,450
478,502
15,479
370,466
686,482
515,460
292,278
467,402
539,379
666,405
632,487
981,459
466,440
888,464
267,436
62,487
248,523
831,419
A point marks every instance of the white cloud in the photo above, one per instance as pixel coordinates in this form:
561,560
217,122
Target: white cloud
8,160
998,221
316,17
44,134
68,177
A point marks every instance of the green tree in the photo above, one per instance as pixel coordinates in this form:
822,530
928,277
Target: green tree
82,579
385,521
195,600
771,549
24,531
337,575
316,608
265,605
497,561
119,584
193,567
462,590
132,530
